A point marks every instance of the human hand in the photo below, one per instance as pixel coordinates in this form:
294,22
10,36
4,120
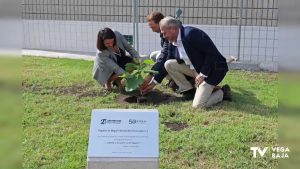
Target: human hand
198,80
146,86
147,80
108,86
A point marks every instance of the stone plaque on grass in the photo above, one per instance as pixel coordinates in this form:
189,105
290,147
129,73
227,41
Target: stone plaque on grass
123,139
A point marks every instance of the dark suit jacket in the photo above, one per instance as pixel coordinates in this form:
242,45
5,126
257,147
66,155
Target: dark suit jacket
167,52
203,54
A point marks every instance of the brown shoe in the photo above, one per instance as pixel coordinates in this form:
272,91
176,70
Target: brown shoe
227,93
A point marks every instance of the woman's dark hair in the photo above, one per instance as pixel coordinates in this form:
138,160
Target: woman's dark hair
103,34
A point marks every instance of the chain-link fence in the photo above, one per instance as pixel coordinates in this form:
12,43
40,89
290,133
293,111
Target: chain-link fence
247,29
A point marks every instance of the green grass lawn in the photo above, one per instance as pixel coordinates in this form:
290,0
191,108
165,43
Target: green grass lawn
59,95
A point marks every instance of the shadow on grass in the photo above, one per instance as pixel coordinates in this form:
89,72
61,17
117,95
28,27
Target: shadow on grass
247,101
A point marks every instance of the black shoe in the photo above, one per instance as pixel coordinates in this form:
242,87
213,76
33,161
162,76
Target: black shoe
172,85
188,95
227,93
190,79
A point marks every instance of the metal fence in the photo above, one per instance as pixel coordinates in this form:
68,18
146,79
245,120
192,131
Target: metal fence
244,28
203,12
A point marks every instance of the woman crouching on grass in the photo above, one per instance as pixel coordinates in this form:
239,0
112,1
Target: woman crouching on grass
111,57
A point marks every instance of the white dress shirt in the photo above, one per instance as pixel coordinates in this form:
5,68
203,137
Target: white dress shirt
182,52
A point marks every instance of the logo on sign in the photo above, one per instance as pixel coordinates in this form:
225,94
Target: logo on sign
106,121
135,121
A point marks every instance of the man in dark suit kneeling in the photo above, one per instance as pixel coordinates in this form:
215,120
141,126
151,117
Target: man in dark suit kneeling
196,56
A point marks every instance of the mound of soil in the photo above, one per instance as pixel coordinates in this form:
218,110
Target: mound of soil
154,97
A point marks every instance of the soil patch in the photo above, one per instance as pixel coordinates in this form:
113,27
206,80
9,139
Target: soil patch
135,99
78,90
34,88
175,126
205,123
173,114
154,97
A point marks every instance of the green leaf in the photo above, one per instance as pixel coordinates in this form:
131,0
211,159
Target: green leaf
126,75
151,71
142,66
135,72
130,67
136,60
123,75
149,62
133,83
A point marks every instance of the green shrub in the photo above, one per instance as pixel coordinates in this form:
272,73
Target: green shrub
135,73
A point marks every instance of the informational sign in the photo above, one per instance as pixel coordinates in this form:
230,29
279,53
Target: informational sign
124,133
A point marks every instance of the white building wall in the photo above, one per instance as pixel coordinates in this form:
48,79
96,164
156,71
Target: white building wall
258,44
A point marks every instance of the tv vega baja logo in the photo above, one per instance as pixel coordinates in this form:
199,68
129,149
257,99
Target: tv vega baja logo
277,152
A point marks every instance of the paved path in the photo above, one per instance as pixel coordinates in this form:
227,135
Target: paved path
59,54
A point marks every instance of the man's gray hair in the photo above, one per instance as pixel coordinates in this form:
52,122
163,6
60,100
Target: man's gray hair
169,21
